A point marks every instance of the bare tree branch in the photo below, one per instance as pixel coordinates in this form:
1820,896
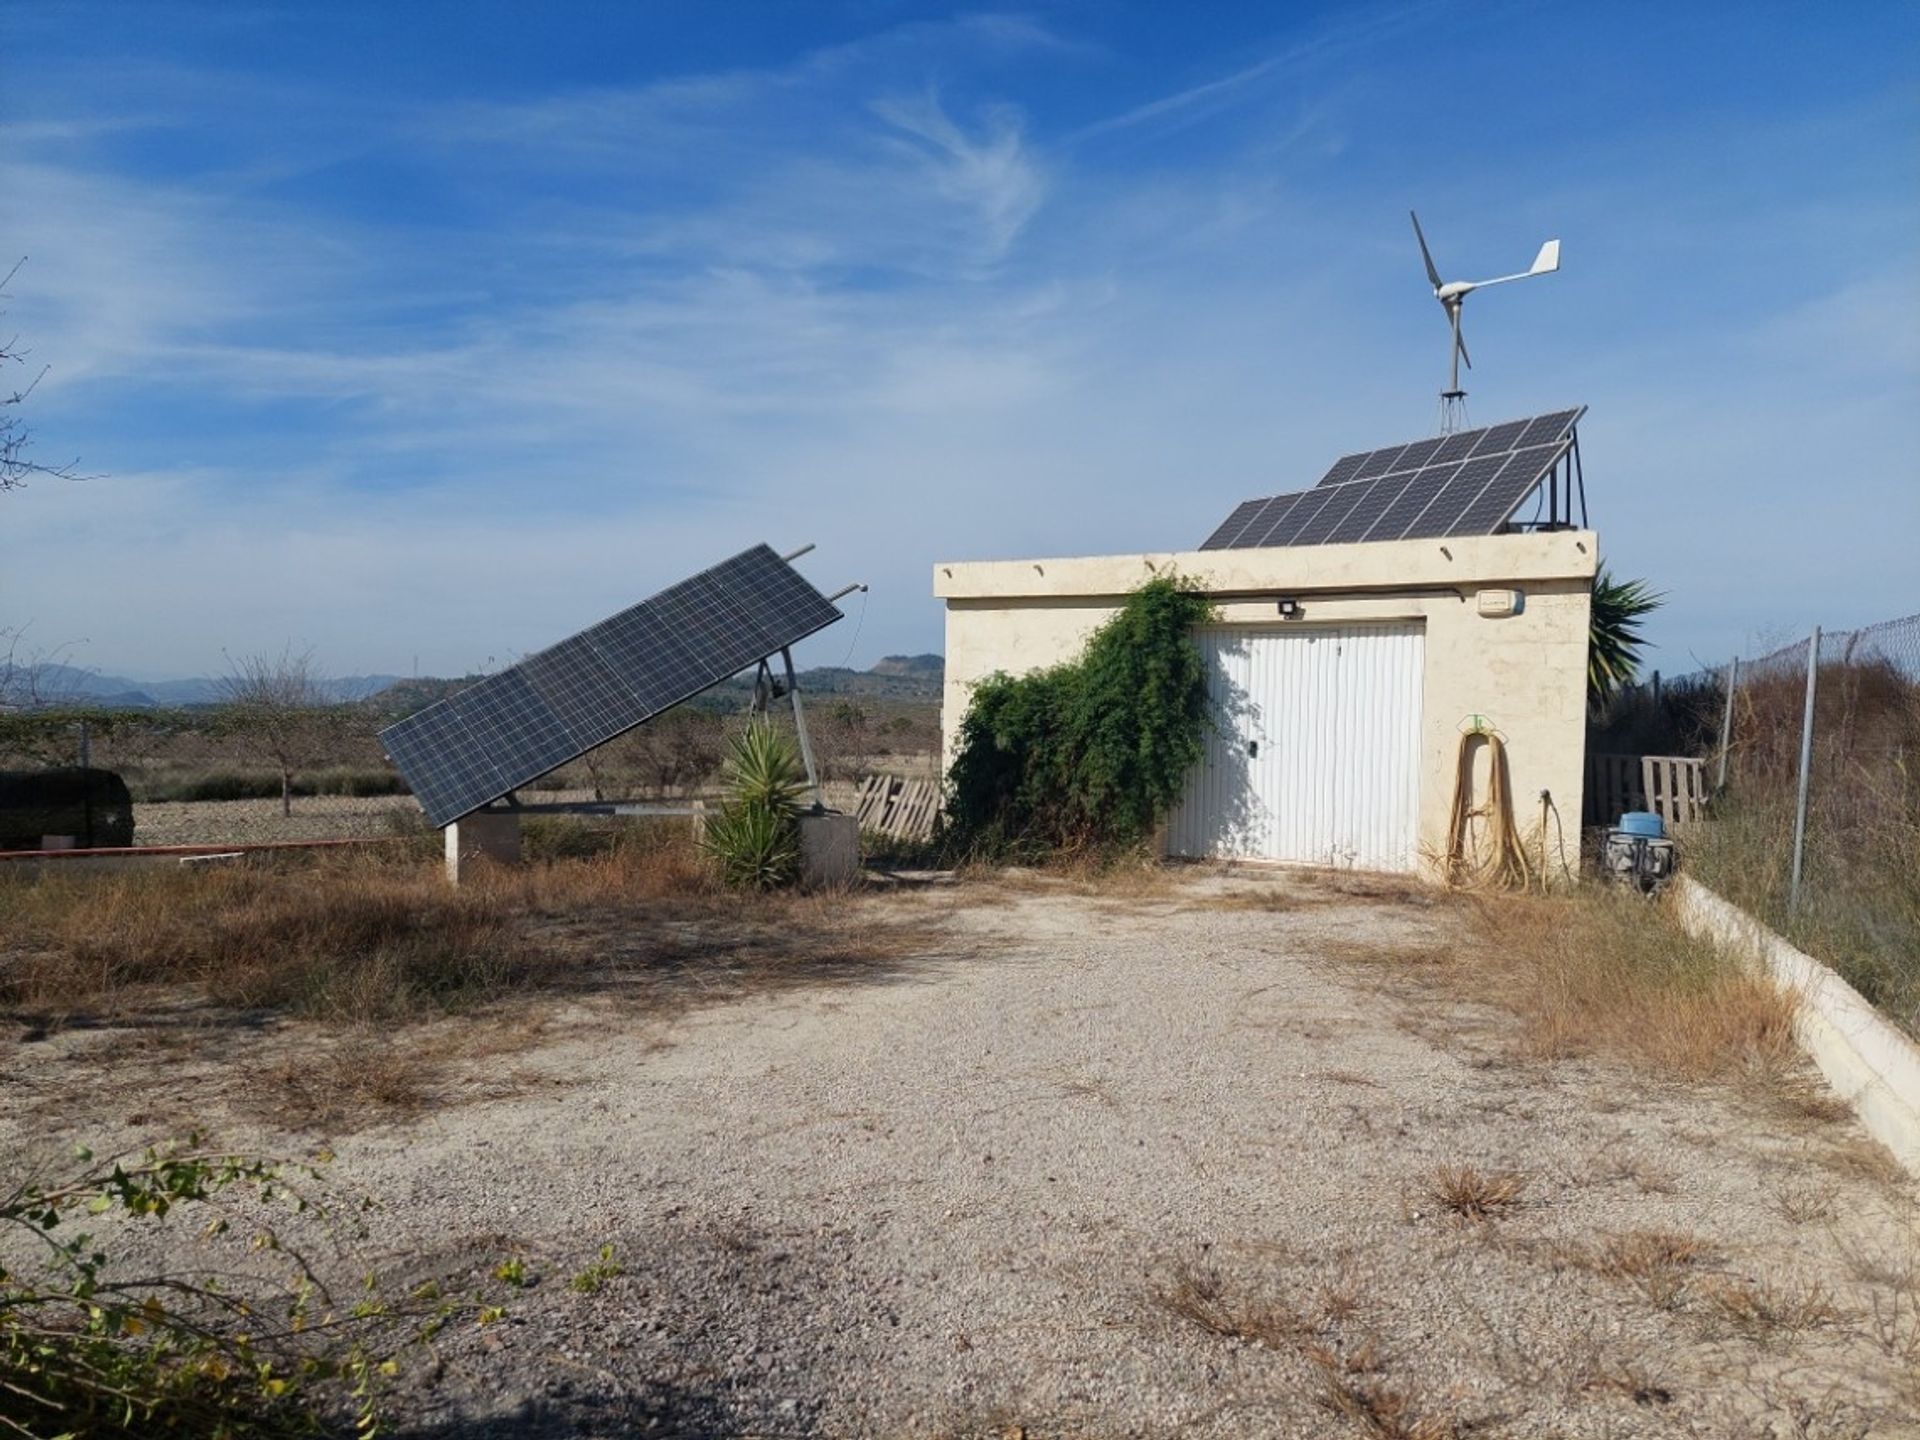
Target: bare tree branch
16,467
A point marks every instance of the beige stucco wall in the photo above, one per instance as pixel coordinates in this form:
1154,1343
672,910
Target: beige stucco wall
1525,672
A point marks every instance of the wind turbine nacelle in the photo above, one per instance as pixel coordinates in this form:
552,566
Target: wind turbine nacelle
1454,289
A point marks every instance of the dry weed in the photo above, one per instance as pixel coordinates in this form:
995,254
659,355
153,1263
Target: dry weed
1473,1194
372,947
1803,1204
1655,1262
1201,1298
1607,973
1375,1408
1761,1309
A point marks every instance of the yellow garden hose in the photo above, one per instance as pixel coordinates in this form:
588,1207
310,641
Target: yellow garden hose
1504,866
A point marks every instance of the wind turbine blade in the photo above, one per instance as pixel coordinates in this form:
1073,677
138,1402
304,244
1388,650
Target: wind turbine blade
1433,274
1461,341
1545,263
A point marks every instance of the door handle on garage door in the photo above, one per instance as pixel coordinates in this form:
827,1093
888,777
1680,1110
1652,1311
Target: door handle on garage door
1253,749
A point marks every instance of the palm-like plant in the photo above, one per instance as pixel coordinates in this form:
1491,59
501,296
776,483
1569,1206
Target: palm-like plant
1613,634
754,836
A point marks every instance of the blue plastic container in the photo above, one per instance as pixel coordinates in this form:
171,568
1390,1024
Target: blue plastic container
1644,823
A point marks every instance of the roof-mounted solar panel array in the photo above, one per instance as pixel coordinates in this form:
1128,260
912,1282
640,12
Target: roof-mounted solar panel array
1468,483
511,728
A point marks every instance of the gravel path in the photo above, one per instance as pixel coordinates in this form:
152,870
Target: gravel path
1025,1185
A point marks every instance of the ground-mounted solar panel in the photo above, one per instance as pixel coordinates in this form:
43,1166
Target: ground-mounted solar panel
1468,483
511,728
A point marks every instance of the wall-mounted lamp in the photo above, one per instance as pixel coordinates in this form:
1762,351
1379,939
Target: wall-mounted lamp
1289,609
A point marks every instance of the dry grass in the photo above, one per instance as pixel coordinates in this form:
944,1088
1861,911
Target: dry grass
1378,1409
1473,1194
1347,1381
1761,1309
378,951
366,939
1658,1263
1201,1298
1604,972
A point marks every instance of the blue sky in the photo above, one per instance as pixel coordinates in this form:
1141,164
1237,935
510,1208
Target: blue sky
427,334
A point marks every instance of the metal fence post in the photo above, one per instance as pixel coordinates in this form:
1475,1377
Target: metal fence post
1806,767
1726,723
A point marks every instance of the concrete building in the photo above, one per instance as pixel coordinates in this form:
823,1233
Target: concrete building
1345,679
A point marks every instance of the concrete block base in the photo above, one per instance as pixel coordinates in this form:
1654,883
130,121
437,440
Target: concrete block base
479,839
829,850
1871,1065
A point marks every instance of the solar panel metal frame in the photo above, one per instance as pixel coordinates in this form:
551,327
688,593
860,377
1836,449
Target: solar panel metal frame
1467,483
509,729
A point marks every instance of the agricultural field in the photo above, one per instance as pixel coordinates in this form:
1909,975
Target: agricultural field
1119,1152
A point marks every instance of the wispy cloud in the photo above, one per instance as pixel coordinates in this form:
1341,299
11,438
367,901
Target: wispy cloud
885,295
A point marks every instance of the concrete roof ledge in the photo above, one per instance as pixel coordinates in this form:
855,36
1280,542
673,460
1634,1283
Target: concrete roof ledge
1456,561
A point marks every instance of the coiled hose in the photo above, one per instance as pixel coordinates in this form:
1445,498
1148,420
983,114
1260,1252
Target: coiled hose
1504,866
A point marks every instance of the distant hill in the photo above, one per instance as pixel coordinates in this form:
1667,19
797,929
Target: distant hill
934,666
68,684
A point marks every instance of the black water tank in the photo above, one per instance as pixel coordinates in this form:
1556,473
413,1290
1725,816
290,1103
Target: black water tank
93,806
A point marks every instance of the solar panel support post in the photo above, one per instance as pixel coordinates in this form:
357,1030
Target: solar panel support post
800,727
1580,476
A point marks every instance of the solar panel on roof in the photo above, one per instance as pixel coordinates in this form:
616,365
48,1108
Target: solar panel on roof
511,728
1469,483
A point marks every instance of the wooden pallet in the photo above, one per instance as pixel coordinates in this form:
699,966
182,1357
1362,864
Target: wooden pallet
897,807
1674,787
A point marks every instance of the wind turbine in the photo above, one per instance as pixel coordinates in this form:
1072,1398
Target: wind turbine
1452,295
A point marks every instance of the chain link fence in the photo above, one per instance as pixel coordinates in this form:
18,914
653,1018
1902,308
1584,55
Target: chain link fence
1814,748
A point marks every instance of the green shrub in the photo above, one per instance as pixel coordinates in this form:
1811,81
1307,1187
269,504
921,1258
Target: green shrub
88,1348
1091,754
755,835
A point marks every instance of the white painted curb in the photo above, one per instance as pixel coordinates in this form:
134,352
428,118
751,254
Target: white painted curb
1870,1063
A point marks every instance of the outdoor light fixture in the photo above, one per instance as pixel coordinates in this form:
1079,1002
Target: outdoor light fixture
1289,609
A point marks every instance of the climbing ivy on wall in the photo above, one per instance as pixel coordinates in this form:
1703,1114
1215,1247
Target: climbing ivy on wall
1089,754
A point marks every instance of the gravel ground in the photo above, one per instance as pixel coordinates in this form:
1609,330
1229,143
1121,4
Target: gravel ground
1020,1187
244,822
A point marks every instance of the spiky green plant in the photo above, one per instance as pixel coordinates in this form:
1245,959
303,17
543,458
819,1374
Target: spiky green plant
755,837
1614,640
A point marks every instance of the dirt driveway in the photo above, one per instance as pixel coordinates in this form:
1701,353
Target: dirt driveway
1172,1165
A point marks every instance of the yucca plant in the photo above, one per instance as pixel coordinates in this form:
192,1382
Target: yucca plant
1613,634
755,837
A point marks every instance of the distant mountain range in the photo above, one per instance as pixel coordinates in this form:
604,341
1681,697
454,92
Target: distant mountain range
895,677
68,684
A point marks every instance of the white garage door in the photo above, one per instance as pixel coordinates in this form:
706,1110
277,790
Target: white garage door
1315,754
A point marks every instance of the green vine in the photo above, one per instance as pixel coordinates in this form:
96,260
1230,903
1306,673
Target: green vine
1091,754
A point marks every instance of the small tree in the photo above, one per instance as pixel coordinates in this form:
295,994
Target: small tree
278,708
